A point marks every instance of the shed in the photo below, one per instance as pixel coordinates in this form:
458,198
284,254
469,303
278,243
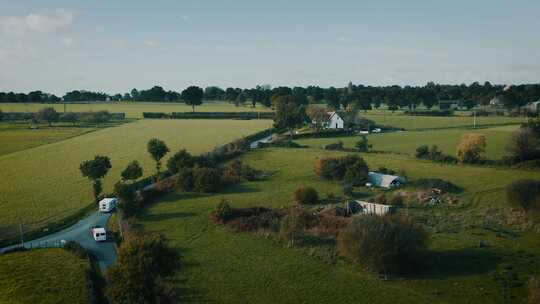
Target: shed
385,180
373,208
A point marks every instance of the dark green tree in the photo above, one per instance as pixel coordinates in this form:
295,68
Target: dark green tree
48,115
157,149
95,170
180,160
132,172
289,114
193,96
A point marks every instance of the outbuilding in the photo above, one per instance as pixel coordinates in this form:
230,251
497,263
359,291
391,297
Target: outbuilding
373,208
334,121
386,180
107,204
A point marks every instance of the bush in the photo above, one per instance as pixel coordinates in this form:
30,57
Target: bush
185,181
223,212
524,193
437,183
180,160
385,170
471,148
351,168
334,146
76,249
422,152
232,173
294,224
363,145
306,195
206,180
534,290
126,194
383,244
396,200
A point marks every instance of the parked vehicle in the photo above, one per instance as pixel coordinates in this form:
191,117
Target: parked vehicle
376,130
107,204
99,234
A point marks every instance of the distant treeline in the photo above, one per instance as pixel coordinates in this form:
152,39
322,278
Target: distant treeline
363,97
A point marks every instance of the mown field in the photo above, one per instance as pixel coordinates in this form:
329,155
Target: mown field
43,276
226,267
133,109
406,142
408,122
44,183
18,136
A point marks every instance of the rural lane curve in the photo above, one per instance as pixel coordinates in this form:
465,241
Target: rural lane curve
104,252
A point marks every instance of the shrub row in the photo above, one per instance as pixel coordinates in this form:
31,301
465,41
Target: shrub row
430,113
352,169
66,117
210,115
434,154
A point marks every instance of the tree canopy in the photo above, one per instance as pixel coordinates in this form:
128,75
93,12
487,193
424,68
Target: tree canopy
193,96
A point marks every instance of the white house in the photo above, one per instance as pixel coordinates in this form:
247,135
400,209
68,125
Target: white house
334,121
385,180
533,106
107,204
496,101
373,208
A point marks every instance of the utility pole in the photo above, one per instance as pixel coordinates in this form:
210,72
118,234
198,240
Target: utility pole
21,234
474,119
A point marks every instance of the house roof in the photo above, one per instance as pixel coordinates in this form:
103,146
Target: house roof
331,114
383,180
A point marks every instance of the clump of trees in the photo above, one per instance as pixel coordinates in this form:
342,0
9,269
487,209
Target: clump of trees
141,272
352,169
363,144
290,112
388,244
524,193
95,170
306,196
524,145
471,148
318,117
132,172
48,115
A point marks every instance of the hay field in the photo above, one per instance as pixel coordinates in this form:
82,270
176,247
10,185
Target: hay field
44,183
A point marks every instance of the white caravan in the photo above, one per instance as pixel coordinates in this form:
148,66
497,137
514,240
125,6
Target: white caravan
99,234
107,204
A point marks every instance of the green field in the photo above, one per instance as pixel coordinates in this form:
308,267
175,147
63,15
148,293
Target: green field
132,109
43,276
408,122
226,267
407,142
17,137
44,183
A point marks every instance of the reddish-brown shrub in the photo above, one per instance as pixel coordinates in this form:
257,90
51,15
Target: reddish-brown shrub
306,195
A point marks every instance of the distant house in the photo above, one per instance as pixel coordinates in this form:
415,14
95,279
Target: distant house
385,180
334,121
373,208
533,107
496,101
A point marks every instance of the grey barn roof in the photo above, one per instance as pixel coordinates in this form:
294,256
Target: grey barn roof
384,180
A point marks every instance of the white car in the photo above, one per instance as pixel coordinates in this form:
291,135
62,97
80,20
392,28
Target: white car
377,130
99,234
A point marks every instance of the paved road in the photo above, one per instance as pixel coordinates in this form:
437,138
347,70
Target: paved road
104,252
255,144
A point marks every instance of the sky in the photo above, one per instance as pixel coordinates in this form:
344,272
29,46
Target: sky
114,46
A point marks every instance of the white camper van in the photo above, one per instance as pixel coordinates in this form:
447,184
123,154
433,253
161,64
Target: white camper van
107,204
99,234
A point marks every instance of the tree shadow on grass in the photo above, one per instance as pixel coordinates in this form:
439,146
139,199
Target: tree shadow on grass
156,217
458,262
186,294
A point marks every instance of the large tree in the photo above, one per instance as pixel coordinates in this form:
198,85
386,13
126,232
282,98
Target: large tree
193,96
157,149
289,114
318,116
95,170
524,145
48,115
471,148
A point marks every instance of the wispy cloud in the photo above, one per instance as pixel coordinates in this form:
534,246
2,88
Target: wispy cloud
150,43
43,22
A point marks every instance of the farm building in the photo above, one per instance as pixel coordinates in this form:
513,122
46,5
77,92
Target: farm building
534,107
385,180
450,104
496,101
373,208
334,121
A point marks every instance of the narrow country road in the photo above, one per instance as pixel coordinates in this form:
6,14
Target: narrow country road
104,252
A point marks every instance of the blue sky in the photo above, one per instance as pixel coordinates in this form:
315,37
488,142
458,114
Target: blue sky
114,46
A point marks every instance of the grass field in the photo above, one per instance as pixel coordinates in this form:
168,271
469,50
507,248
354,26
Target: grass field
226,267
408,122
132,109
17,137
44,183
43,276
407,142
